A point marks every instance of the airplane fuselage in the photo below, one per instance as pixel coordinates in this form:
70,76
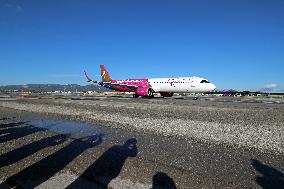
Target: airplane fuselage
169,85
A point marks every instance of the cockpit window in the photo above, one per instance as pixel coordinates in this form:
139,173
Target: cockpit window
204,81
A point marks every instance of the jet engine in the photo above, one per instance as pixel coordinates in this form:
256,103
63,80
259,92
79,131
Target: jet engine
145,91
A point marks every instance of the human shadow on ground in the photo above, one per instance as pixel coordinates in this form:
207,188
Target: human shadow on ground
17,132
41,171
7,125
271,178
163,181
29,149
7,118
108,166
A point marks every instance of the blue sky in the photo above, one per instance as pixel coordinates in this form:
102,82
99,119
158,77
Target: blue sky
234,43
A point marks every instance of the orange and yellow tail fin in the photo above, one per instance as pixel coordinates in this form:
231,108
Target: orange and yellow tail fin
105,75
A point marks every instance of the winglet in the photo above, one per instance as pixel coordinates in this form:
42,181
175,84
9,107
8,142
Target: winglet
89,80
87,77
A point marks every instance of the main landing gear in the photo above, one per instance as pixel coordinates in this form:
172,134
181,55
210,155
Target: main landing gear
151,93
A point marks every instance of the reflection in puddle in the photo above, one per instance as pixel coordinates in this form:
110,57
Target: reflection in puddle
75,129
267,102
7,99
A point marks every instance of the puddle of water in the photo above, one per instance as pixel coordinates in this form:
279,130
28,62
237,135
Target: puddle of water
75,129
7,99
236,101
267,102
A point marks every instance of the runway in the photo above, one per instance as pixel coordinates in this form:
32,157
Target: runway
251,125
181,160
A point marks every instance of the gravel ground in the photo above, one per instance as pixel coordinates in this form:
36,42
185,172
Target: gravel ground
188,162
259,126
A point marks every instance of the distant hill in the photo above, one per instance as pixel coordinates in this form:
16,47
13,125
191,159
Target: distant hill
52,88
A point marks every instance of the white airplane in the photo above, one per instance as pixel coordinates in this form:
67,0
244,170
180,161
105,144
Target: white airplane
147,87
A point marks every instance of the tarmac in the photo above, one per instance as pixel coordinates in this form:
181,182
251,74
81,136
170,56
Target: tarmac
96,143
